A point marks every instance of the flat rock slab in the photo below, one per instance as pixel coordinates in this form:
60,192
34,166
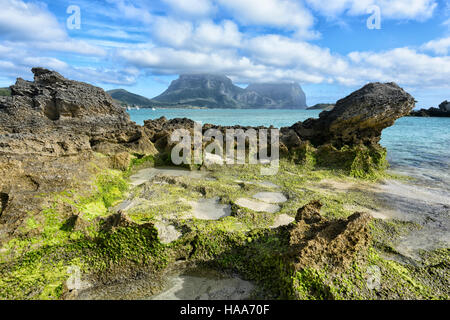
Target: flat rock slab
282,220
198,288
271,197
264,184
167,233
257,206
144,175
268,184
210,209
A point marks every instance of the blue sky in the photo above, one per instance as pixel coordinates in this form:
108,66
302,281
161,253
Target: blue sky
142,46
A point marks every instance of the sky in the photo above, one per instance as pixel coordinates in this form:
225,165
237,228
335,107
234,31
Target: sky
331,48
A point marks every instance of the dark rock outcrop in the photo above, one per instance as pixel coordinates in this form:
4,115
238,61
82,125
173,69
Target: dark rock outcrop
359,118
55,116
50,130
441,112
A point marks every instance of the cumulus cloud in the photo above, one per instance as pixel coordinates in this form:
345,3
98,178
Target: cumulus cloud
204,35
21,21
31,25
403,65
191,7
250,41
278,58
287,14
440,46
390,9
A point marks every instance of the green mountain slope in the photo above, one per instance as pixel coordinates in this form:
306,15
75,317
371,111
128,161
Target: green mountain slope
5,92
127,98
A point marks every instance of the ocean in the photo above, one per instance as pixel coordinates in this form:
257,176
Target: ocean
417,147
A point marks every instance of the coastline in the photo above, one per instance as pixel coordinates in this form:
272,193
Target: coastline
91,206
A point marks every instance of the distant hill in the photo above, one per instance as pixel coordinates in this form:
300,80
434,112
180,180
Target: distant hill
322,106
279,95
5,92
127,98
218,91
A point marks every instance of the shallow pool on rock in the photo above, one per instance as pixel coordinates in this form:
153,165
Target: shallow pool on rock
210,209
195,284
148,174
207,286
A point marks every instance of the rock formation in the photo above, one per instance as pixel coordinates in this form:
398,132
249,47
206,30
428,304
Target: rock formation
442,111
49,131
321,243
359,118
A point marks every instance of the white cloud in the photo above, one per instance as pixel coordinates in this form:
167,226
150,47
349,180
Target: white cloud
390,9
31,26
403,65
440,46
172,31
286,14
28,21
206,35
225,34
191,7
131,11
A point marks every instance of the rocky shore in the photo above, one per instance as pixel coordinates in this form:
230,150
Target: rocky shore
442,111
90,208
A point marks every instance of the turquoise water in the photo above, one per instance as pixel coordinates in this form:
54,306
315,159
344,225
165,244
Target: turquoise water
419,147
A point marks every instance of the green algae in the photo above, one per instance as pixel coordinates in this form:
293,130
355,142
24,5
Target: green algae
36,267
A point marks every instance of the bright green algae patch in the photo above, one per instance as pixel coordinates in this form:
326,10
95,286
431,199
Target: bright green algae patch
34,266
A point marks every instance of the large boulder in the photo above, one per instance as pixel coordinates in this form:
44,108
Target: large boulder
359,118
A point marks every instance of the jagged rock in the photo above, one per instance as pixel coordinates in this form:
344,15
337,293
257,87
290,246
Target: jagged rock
56,116
359,118
317,242
121,161
50,130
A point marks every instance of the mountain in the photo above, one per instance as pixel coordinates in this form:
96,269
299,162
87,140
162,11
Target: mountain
127,98
201,90
279,95
322,106
218,91
5,92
